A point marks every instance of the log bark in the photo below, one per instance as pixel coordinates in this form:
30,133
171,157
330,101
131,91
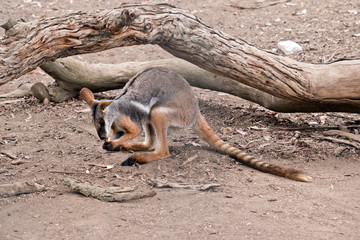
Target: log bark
29,45
71,75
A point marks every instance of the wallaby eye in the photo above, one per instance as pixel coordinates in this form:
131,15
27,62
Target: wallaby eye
102,123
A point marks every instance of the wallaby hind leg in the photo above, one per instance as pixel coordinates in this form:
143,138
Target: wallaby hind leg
160,123
148,144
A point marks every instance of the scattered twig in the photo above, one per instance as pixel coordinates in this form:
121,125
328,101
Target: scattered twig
17,162
28,119
305,128
190,159
11,101
350,136
336,140
164,184
9,155
333,55
17,188
111,194
260,4
67,172
108,167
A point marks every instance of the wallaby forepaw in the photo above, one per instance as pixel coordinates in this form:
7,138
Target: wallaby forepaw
108,146
129,162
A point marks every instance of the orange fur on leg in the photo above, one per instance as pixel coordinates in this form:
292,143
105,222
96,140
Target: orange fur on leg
160,124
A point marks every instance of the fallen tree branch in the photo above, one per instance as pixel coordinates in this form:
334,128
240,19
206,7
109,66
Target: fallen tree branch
71,75
111,194
17,188
32,44
164,184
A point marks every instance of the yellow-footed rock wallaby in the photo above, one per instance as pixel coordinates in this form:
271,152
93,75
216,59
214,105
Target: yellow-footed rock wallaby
156,101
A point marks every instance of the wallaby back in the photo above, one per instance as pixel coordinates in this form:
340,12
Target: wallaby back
208,135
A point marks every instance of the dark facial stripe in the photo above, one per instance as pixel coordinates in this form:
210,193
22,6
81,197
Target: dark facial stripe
94,109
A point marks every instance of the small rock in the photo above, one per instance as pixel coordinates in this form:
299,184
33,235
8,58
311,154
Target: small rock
40,91
17,162
339,151
353,11
313,123
46,101
267,138
298,13
289,47
315,19
227,130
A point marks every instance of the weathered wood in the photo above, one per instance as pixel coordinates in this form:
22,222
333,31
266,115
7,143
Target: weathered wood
71,75
110,194
28,45
17,188
158,183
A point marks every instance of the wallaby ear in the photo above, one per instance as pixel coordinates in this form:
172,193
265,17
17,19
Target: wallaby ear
87,96
104,104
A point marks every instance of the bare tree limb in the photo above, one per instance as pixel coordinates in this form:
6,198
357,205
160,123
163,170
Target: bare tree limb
71,75
28,45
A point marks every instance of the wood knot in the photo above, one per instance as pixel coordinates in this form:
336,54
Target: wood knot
125,18
147,27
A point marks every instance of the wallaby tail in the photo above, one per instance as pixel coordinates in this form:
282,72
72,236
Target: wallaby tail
208,135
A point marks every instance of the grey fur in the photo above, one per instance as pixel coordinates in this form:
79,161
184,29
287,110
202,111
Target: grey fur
151,88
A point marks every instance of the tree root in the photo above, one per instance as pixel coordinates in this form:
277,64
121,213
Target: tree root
71,75
17,188
111,194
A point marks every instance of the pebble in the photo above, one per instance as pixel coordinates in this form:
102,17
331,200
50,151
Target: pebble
313,123
353,11
289,47
17,162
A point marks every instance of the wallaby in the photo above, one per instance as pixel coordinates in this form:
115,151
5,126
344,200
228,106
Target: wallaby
157,101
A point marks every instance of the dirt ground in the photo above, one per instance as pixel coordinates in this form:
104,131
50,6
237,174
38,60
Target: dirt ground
45,143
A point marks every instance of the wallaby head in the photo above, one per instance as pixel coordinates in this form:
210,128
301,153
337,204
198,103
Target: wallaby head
102,120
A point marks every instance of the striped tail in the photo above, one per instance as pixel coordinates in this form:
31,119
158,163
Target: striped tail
208,135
